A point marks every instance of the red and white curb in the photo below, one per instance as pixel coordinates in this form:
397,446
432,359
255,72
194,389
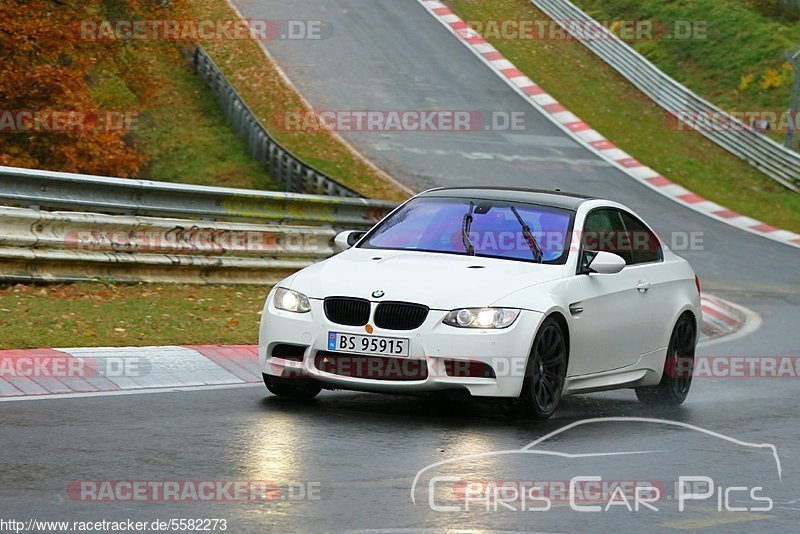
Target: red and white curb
724,321
84,372
592,139
88,372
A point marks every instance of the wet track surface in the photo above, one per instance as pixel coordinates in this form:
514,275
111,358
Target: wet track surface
364,450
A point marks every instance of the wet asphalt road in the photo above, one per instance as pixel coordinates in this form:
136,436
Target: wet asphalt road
364,450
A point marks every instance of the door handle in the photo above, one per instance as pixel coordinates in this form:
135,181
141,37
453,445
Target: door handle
642,286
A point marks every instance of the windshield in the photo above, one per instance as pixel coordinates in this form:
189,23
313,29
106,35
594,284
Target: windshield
435,224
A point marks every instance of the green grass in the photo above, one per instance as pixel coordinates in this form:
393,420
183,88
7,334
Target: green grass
180,127
189,139
258,81
600,96
100,315
737,42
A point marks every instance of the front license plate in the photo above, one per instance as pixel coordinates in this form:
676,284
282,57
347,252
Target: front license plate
383,346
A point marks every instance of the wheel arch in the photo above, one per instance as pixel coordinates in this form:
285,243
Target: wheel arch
557,315
696,316
564,325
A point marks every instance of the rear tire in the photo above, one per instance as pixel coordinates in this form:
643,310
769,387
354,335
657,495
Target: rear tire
293,388
676,379
544,374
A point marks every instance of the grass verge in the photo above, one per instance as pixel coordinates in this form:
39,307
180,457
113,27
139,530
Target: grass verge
735,59
99,315
181,128
189,140
600,96
260,84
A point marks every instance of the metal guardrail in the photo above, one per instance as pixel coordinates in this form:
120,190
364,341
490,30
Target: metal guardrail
147,231
292,173
42,246
57,190
771,158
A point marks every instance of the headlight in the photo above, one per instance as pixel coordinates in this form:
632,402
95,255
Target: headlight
481,317
293,301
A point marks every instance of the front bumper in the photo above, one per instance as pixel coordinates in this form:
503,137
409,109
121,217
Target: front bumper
433,344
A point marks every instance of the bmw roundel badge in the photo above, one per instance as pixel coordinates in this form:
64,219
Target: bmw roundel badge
378,293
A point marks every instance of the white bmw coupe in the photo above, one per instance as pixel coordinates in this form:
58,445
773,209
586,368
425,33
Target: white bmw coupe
516,294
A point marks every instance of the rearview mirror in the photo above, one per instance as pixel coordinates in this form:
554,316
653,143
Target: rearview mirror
346,239
606,263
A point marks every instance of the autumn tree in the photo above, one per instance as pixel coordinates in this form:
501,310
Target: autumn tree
45,65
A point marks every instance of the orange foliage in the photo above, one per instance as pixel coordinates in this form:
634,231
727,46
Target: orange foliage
44,67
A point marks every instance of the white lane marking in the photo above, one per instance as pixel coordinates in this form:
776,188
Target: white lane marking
589,136
502,64
615,153
565,117
544,99
720,306
571,162
523,81
642,173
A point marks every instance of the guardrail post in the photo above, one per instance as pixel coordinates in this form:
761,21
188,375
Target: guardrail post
793,108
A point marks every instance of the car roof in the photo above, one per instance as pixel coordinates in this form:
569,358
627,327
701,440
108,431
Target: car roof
557,199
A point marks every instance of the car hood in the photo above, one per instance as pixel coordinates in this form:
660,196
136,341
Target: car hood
439,281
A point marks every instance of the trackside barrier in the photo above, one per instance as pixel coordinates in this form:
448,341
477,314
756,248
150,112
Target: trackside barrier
290,171
66,246
769,157
66,191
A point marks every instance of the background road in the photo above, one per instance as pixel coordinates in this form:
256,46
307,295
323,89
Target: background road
366,449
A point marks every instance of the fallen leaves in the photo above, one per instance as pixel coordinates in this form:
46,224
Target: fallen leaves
93,314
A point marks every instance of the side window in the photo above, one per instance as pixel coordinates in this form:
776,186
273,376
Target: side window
644,244
605,232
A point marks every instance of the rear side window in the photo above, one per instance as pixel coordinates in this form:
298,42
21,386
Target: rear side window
645,247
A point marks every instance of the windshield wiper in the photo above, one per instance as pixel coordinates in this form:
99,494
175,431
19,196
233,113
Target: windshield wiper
528,235
465,227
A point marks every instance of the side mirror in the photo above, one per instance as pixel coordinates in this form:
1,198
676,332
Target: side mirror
606,263
347,239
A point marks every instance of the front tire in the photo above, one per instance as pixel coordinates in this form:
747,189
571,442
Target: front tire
293,388
545,372
678,367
